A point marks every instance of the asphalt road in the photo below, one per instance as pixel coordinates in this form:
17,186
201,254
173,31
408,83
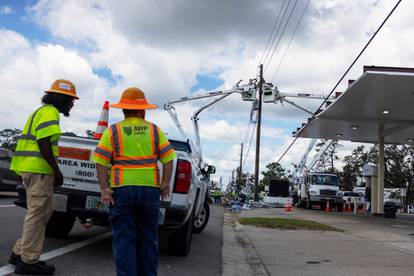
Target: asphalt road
95,258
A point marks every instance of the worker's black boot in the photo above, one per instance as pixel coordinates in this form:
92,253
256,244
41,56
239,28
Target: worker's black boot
13,259
33,269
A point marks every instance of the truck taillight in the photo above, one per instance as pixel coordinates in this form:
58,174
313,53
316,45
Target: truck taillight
183,177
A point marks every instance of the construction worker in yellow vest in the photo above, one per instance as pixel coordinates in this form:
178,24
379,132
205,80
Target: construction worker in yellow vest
132,148
35,160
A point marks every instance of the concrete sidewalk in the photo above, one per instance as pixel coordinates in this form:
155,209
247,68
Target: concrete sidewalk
368,246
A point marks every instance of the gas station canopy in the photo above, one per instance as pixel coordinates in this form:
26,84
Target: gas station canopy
380,102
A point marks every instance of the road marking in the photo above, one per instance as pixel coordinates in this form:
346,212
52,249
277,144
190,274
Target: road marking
71,247
399,225
7,269
5,206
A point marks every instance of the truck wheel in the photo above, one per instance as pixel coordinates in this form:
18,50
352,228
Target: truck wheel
59,225
179,242
200,222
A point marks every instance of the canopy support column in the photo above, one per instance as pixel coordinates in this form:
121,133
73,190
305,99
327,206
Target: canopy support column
377,194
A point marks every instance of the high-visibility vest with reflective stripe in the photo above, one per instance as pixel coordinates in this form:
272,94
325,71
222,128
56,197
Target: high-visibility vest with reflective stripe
132,148
42,123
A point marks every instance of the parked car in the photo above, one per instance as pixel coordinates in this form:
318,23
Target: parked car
9,180
360,190
350,197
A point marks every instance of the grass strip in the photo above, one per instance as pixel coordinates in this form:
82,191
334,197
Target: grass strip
287,224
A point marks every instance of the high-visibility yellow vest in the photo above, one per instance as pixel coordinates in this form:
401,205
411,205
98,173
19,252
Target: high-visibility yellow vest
132,148
42,123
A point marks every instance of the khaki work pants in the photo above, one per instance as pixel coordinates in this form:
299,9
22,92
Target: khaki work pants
39,192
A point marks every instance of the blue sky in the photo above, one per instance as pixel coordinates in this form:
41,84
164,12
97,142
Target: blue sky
19,20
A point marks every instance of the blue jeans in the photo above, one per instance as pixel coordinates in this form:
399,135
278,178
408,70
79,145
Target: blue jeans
134,219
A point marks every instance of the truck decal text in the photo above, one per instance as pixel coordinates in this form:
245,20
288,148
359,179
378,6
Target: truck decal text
74,153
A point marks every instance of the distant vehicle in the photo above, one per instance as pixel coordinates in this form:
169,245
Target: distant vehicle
390,195
320,188
360,190
351,197
278,194
9,180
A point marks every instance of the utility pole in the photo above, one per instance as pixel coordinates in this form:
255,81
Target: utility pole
240,169
259,124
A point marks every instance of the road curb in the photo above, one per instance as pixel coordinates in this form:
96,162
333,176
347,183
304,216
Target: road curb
239,255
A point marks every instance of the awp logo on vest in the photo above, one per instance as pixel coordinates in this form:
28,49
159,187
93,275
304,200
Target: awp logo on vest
127,130
140,130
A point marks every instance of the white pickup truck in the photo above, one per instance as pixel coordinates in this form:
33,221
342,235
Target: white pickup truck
184,212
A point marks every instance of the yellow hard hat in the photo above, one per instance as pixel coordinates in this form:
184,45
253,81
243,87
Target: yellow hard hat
133,98
62,86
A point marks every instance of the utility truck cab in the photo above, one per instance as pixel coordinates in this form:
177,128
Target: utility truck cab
320,188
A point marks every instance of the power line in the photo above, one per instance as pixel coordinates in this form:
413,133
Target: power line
343,76
247,132
250,143
277,32
281,35
272,32
290,41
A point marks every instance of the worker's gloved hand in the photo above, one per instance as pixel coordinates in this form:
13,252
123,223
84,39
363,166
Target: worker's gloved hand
58,178
165,190
106,196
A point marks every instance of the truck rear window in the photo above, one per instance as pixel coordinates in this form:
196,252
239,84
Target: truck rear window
180,145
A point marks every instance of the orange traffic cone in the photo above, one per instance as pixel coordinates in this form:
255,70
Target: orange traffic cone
328,209
103,121
288,206
364,208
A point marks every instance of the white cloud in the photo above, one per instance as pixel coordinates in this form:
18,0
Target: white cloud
6,10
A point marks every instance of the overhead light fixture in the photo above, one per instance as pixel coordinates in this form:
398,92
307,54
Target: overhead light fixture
338,135
385,112
355,127
410,140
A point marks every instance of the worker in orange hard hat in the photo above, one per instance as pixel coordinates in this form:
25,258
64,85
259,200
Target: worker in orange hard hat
132,148
35,160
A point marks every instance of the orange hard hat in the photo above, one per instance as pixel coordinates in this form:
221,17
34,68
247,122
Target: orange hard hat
62,86
133,98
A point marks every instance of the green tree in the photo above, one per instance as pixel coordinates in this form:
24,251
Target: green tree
398,163
89,133
72,134
352,170
274,172
328,157
9,138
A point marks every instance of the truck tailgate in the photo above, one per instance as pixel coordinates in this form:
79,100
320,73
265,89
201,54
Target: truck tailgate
79,171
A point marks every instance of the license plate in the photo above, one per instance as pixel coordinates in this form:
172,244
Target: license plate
60,202
162,216
94,202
